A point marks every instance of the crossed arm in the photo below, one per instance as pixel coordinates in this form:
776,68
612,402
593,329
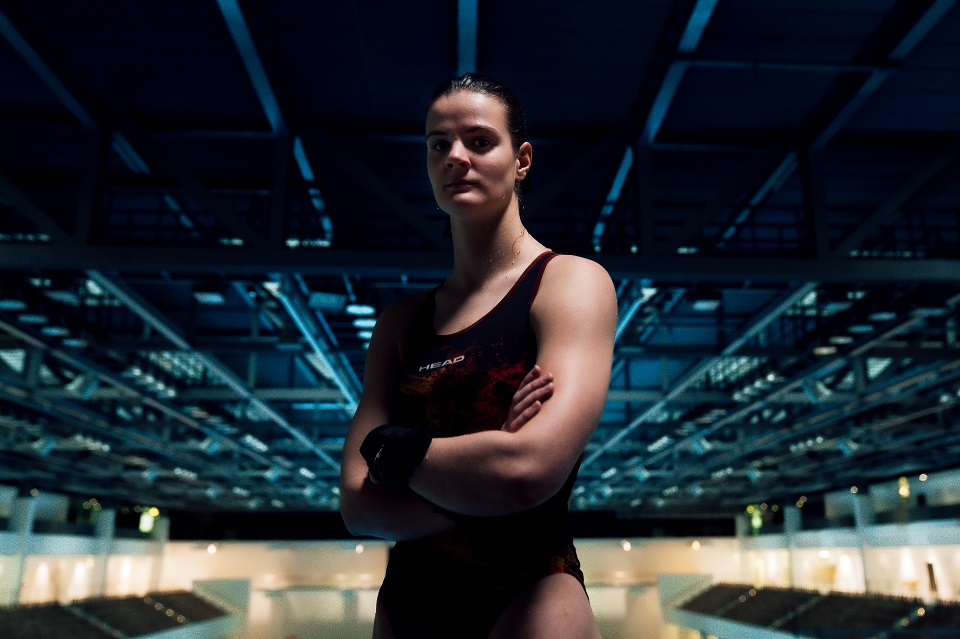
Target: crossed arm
502,471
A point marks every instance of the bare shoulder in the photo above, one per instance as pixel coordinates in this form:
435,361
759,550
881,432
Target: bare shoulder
392,324
403,309
571,276
576,288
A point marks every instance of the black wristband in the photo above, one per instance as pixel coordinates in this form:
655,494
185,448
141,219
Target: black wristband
393,452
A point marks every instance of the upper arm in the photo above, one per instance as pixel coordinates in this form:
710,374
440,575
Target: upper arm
574,317
379,380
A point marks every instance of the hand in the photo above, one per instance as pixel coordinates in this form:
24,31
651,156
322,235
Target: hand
393,452
536,388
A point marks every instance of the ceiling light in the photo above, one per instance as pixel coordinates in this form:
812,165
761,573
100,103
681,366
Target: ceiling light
75,342
824,350
12,305
928,312
364,322
209,295
360,310
327,302
32,318
882,316
254,443
706,304
841,340
365,335
55,331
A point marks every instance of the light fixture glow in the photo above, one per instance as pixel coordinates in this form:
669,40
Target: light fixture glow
360,310
12,305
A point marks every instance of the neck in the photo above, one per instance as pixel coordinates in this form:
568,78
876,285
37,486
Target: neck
484,252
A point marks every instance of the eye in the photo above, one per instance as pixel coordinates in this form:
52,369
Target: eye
481,143
438,145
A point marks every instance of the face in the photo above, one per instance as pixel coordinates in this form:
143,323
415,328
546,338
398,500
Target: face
470,158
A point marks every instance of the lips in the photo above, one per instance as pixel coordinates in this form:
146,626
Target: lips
459,184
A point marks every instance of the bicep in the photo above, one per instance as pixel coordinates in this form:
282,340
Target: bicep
574,318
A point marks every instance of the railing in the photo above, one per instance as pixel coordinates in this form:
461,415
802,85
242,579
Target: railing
844,521
896,516
909,515
131,533
42,527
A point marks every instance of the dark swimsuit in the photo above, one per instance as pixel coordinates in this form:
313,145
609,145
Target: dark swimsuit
457,584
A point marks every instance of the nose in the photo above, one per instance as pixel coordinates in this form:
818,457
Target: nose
458,155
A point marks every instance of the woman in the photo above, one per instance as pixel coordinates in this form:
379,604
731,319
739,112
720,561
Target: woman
462,449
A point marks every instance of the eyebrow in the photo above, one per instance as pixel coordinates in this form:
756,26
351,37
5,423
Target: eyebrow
472,129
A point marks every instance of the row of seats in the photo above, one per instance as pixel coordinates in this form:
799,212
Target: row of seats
106,617
937,622
130,615
189,605
47,621
834,615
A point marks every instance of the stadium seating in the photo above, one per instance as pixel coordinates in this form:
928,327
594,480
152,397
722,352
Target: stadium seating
106,617
829,615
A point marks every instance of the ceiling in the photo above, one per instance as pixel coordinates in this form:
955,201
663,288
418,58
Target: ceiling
194,194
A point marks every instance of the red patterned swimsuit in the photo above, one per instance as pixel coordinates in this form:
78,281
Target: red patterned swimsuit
457,584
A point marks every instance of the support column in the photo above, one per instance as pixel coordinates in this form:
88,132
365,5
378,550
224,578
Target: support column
792,521
103,533
743,530
161,533
864,516
22,515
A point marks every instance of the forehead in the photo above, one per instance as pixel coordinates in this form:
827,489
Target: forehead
467,107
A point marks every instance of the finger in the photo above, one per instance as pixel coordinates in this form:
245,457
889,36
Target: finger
529,378
522,418
540,394
531,386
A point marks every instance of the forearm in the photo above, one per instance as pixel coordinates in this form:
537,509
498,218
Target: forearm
389,513
481,474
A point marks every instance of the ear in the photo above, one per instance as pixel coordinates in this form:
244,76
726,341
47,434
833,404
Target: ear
524,159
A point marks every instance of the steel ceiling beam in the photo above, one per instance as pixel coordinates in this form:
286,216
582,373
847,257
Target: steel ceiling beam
781,159
467,25
125,132
242,261
817,421
890,207
814,372
242,38
153,318
42,70
24,205
695,373
342,376
696,25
